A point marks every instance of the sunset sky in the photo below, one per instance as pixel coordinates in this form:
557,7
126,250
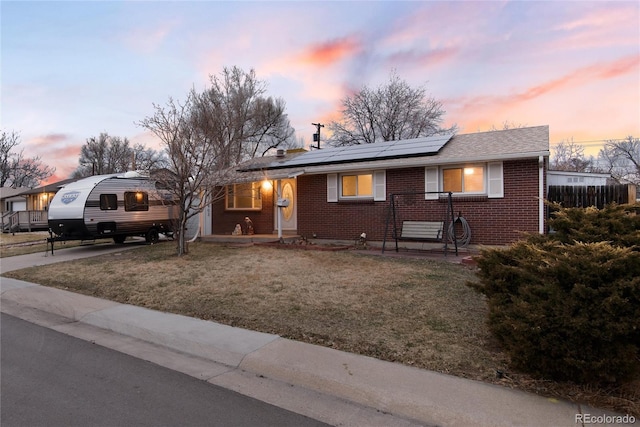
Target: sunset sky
71,70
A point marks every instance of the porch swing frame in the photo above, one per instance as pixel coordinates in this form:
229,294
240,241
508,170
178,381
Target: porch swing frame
393,221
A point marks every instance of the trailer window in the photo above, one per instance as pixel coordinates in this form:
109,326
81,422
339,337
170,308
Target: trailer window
108,202
136,201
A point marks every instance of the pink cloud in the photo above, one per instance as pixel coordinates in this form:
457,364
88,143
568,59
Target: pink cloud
610,25
46,140
148,39
596,102
58,150
427,58
620,67
578,78
605,17
330,52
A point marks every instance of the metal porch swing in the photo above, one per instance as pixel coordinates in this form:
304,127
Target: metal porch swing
419,230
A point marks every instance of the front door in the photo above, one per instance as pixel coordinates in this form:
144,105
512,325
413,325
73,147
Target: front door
289,213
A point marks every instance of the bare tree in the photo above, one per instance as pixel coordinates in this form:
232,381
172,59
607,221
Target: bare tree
621,158
111,154
235,117
211,132
506,125
8,141
16,170
148,159
391,112
569,156
191,161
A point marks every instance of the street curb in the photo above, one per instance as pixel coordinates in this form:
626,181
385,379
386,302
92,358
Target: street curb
432,398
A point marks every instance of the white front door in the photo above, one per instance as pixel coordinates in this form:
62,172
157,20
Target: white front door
289,213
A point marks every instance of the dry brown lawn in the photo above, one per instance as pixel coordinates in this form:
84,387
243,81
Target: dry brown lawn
12,244
20,243
417,312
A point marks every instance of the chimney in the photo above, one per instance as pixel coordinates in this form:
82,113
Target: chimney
280,153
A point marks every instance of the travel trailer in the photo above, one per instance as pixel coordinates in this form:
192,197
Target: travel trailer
117,206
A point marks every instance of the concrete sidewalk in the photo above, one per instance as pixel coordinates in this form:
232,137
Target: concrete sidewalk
256,363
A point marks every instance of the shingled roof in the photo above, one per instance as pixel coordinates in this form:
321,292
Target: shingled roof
497,145
519,143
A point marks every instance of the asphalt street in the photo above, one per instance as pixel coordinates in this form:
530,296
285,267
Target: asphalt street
52,379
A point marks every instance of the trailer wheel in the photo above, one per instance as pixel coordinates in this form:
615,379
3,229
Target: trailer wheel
152,236
119,239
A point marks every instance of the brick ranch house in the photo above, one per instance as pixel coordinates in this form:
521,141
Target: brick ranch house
497,181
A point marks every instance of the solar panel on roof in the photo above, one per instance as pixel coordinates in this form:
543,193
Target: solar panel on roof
364,152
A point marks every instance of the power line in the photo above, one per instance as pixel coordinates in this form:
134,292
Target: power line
593,142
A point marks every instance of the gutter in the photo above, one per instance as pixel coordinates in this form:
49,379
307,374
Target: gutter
541,197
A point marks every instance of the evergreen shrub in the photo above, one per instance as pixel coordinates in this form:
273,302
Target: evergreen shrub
566,306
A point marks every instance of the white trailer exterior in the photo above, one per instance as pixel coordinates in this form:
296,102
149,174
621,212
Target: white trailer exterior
117,206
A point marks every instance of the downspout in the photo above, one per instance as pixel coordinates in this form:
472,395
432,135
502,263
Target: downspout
541,194
279,208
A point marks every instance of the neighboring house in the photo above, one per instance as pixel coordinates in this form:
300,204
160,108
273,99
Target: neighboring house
581,189
576,179
10,201
497,180
28,209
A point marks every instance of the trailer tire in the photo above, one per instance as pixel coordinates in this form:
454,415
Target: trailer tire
119,239
152,236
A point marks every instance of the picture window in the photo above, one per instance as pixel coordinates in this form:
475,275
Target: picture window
244,196
464,180
356,186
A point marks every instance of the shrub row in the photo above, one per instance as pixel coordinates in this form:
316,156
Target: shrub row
566,306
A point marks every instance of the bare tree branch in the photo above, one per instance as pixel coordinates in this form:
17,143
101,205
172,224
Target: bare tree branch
15,169
569,156
111,154
391,112
621,158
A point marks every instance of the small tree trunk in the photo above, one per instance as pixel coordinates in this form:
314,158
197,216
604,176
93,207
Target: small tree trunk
182,230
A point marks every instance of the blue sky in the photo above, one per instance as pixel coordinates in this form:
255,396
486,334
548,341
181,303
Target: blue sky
71,70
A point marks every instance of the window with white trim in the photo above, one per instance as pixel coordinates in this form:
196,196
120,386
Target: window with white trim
244,196
471,179
356,185
467,179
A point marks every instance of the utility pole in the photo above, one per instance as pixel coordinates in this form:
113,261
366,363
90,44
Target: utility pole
316,136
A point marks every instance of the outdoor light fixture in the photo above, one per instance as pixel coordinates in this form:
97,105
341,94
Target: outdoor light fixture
267,185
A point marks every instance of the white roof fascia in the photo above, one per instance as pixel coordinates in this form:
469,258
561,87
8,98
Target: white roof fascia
261,175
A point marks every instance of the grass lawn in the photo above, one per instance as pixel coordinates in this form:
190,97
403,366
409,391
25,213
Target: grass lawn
412,311
28,243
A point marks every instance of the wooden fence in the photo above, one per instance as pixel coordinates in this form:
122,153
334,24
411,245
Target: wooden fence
592,195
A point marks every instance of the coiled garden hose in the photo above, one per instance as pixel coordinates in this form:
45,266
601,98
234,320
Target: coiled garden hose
464,238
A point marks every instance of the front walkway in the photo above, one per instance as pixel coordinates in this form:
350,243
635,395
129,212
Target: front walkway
405,249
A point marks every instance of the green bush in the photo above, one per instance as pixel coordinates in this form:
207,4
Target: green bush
565,309
617,224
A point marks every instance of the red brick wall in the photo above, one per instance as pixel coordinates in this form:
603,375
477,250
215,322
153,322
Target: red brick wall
492,221
224,222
